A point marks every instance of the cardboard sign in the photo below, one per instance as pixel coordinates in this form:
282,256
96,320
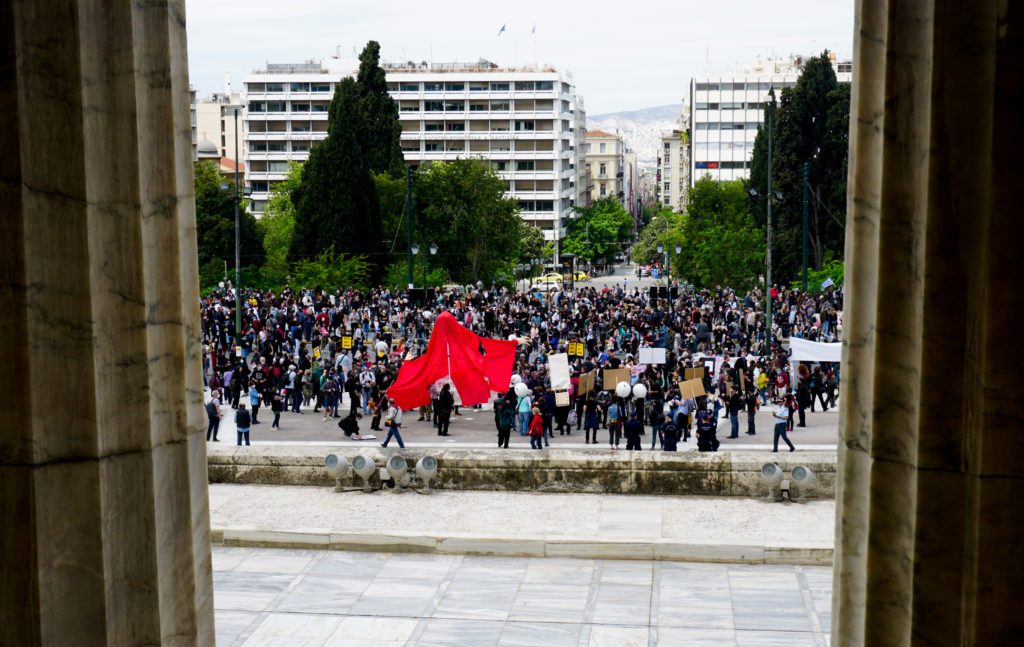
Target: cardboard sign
558,370
743,381
561,398
696,373
346,342
587,381
612,376
238,351
692,389
649,355
576,348
316,352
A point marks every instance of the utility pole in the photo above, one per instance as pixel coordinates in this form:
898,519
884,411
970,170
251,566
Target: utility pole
768,201
805,183
408,219
238,247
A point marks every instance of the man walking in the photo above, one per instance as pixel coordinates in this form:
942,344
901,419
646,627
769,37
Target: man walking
781,415
394,423
213,414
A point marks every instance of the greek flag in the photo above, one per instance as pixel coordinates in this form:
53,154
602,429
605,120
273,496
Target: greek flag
827,283
501,30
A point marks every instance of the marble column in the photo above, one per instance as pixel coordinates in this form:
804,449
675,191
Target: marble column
929,533
104,524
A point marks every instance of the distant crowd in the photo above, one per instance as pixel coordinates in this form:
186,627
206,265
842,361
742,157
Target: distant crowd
313,345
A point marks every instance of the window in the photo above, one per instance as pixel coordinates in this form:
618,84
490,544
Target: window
277,167
298,87
319,107
668,200
668,147
275,87
590,148
603,190
454,87
524,85
602,170
300,107
526,165
668,187
732,106
432,147
433,106
477,107
300,147
525,125
499,106
478,86
454,106
603,147
408,87
300,127
319,87
276,147
409,106
544,85
433,87
499,87
257,106
433,126
257,147
455,126
499,165
275,106
261,186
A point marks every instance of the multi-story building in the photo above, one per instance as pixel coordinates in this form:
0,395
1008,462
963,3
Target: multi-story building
285,114
192,120
582,180
673,177
605,157
523,120
726,110
215,121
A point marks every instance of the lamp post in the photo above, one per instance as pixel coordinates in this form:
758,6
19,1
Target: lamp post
679,251
414,250
664,258
408,220
426,259
238,246
768,275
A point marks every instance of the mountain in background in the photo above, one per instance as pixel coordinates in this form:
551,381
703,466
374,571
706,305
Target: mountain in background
640,129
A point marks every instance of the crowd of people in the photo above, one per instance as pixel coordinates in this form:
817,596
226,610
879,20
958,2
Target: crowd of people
311,346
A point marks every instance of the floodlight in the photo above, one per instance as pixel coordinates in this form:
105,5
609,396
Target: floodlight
364,467
639,391
426,469
772,475
622,389
801,477
397,468
337,467
522,390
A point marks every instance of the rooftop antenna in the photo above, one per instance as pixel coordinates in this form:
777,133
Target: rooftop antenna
337,52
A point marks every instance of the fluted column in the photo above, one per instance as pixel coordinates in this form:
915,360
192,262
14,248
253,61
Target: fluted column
929,546
104,524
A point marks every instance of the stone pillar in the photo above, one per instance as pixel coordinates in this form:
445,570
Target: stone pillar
929,530
104,524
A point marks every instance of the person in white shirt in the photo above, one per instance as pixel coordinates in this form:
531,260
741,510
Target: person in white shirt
781,415
394,423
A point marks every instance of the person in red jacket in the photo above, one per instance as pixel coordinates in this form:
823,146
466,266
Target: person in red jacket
536,430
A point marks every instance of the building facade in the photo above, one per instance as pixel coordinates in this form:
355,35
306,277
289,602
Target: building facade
605,155
215,122
673,178
726,110
523,120
285,114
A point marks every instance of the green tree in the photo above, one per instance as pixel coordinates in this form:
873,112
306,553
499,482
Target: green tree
665,229
532,244
336,203
599,231
810,124
391,196
382,137
329,270
720,243
215,221
461,206
278,225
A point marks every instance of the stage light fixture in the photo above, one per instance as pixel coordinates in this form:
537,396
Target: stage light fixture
337,467
364,467
397,468
426,469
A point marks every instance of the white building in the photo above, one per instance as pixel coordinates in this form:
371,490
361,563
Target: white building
673,178
522,119
286,112
192,120
726,109
215,122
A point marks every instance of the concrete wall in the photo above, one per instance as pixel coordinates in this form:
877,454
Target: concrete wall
558,470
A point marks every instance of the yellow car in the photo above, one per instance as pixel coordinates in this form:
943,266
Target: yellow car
553,277
578,276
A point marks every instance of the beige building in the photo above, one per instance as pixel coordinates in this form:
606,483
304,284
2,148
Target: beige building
215,122
673,179
604,158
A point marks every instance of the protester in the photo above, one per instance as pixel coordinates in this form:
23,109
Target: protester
634,428
394,424
214,415
536,429
782,416
242,423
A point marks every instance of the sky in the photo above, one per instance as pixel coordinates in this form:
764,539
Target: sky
623,55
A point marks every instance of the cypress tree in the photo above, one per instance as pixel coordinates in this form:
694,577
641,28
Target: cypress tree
382,130
336,204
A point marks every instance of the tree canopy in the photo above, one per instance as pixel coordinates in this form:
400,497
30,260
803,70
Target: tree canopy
599,231
461,206
278,224
810,124
215,221
336,203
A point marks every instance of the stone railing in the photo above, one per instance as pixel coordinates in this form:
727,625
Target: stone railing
730,473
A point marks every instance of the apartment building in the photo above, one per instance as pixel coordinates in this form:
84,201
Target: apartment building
726,110
285,114
192,121
673,176
605,157
523,120
215,122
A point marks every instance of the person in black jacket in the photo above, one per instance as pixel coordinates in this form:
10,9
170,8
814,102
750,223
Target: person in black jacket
242,423
751,404
633,430
445,404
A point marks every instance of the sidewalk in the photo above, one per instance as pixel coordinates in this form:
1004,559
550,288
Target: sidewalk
525,524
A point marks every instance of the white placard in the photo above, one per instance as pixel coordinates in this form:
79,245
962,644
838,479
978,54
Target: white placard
558,368
649,355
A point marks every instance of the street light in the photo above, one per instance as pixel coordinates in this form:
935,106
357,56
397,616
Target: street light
426,259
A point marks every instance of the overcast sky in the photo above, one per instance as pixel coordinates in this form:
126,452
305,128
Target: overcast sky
624,55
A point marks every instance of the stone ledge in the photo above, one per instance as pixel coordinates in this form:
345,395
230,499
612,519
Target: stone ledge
730,473
526,546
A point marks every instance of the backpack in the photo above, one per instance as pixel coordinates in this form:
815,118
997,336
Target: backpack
211,408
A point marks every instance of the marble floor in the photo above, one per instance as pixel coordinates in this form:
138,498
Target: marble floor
307,598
